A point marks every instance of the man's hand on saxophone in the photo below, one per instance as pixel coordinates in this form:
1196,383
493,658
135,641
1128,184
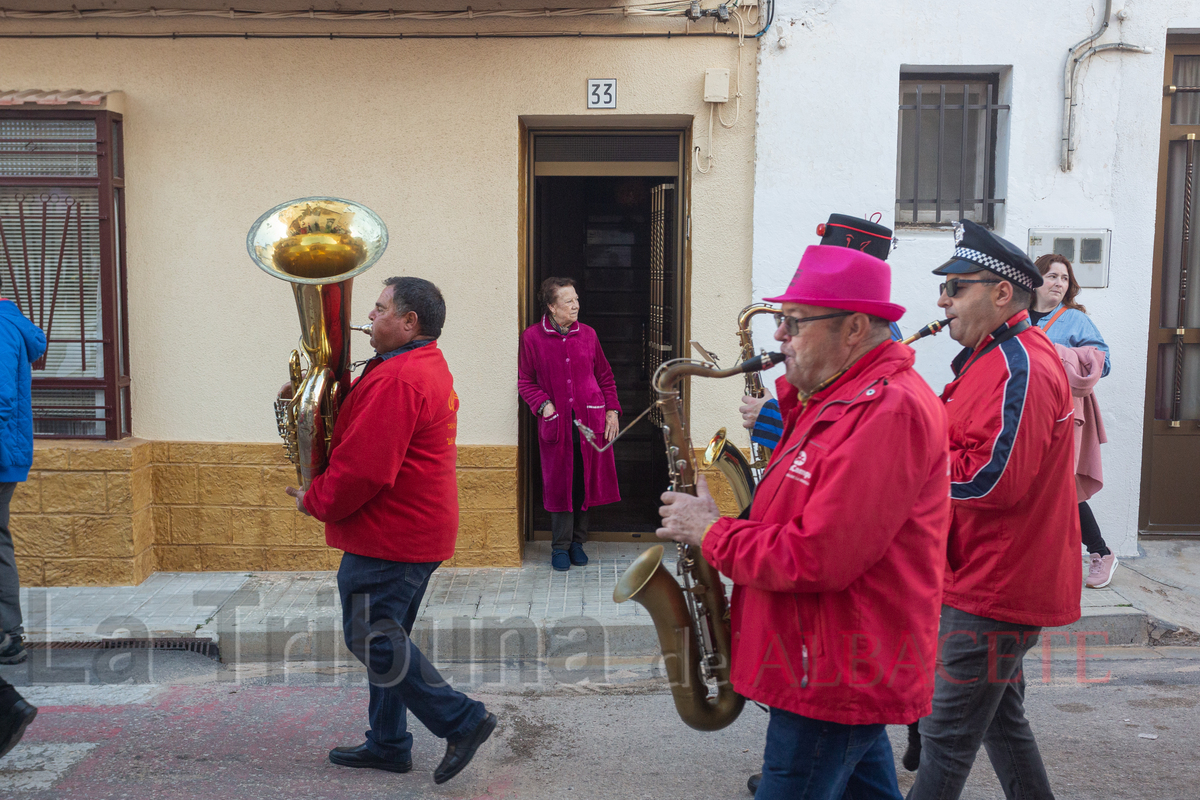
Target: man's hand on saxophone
686,518
751,406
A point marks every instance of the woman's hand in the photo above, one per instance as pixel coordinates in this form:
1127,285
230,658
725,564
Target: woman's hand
611,425
548,410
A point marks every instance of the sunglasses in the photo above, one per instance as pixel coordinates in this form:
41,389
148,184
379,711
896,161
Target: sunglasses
792,324
950,287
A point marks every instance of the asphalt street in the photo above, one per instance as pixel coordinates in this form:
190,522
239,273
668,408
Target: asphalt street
183,726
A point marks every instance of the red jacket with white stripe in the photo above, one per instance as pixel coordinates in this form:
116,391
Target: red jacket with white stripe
390,490
838,572
1013,552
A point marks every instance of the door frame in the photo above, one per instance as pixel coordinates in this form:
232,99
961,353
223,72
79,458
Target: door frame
1156,334
530,127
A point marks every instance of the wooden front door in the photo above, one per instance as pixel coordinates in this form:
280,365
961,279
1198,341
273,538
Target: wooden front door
1170,502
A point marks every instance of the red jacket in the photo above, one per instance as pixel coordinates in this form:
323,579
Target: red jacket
838,572
1013,553
390,490
572,372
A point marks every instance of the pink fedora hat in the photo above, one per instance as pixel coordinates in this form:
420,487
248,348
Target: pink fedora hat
839,277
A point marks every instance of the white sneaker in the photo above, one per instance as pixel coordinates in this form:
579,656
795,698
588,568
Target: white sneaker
1101,570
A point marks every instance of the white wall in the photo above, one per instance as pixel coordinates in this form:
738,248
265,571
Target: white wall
826,142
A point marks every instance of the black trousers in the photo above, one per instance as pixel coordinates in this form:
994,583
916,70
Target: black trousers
567,527
1092,539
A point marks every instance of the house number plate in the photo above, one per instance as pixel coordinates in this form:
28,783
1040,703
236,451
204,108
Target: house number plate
602,93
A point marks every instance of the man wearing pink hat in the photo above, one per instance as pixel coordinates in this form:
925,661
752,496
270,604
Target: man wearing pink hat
837,572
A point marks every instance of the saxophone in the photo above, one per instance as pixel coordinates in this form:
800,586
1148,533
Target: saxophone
742,474
318,245
692,621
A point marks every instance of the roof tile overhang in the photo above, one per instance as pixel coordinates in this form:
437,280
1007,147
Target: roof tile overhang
111,101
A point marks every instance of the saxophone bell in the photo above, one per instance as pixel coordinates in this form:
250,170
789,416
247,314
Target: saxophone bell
691,620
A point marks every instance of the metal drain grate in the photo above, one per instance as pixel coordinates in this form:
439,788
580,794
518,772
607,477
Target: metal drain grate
205,647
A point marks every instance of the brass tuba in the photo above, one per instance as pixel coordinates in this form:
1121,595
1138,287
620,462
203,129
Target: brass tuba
692,622
318,244
741,473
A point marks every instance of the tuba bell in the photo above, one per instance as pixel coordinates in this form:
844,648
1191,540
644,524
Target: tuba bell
317,244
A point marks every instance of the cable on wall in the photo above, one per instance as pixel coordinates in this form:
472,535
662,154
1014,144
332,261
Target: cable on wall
680,8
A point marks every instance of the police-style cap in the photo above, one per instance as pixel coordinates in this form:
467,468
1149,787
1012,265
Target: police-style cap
976,248
856,233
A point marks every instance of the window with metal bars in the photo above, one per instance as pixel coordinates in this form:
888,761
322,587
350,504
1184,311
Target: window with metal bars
62,261
946,155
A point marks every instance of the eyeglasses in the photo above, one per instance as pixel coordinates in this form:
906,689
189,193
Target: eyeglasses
793,323
950,287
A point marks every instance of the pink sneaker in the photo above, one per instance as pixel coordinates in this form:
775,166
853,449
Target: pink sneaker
1101,570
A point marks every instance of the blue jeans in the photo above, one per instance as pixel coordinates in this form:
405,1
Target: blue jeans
979,698
808,759
380,600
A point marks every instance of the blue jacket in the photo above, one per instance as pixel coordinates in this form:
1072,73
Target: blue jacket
1075,329
21,343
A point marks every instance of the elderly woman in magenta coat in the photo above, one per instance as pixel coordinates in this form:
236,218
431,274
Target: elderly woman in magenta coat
563,375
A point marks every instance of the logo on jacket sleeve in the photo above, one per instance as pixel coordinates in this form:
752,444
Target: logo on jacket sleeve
797,472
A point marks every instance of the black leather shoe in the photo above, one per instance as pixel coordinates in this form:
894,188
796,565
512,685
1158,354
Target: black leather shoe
362,757
752,784
460,753
13,724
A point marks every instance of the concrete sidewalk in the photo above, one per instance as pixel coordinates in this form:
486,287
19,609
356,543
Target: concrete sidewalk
468,615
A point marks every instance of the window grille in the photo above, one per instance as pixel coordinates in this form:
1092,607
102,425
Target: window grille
946,155
62,261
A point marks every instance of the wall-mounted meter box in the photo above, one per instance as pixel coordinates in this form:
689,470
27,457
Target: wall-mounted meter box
1085,248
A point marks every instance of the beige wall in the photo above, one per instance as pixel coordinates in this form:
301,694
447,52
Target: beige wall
424,132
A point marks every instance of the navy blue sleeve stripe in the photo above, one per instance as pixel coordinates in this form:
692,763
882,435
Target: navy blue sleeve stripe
768,428
1015,389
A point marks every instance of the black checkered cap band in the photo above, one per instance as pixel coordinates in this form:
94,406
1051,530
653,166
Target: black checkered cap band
1001,268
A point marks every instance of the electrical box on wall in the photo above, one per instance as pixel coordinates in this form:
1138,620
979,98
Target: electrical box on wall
716,85
1086,249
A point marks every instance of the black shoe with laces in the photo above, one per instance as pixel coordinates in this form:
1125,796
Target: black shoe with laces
12,649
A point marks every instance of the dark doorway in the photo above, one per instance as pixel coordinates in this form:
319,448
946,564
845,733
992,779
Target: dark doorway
601,232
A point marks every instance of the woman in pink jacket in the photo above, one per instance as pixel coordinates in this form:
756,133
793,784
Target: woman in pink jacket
564,377
1056,311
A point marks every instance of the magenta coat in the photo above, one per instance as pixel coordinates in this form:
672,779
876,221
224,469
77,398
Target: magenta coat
572,372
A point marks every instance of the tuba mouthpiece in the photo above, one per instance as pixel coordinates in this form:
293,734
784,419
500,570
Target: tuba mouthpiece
362,328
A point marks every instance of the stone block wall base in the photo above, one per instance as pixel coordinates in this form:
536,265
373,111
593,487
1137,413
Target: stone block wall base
112,513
